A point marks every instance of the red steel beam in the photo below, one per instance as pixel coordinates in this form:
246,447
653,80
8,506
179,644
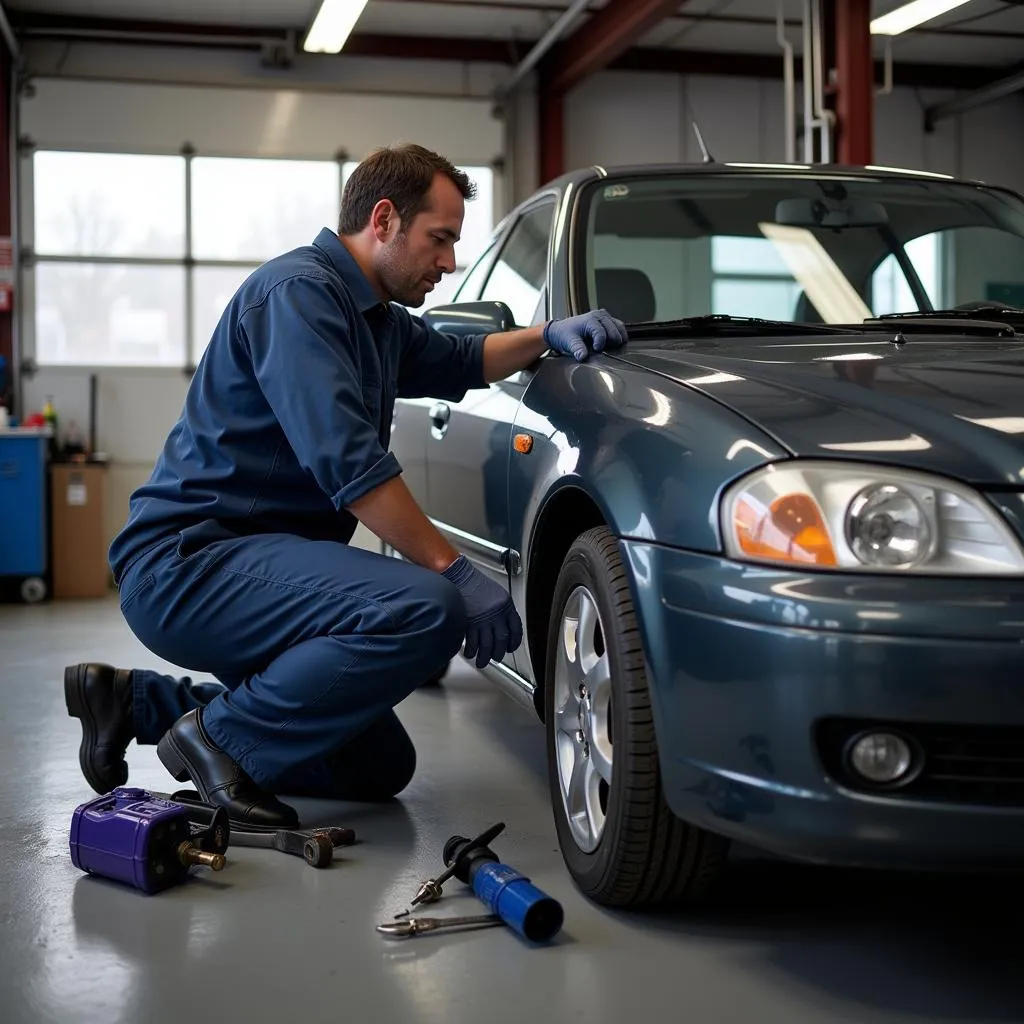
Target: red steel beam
602,38
855,83
551,133
10,390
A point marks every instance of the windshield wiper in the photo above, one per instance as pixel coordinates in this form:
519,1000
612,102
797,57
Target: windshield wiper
976,317
725,323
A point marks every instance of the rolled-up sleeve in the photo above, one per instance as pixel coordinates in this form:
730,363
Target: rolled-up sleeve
436,365
301,351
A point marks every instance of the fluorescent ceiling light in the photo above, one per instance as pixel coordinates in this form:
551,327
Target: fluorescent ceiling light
332,25
911,15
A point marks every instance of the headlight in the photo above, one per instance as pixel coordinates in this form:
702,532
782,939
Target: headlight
851,517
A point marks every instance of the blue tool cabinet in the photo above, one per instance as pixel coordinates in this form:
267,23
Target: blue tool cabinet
24,534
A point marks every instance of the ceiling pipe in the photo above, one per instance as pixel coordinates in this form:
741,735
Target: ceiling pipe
541,47
969,101
816,116
789,86
9,38
821,113
143,37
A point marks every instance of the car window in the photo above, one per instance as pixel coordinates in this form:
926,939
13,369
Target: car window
956,266
794,247
469,287
540,313
520,273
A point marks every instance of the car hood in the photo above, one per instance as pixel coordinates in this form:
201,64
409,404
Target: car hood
952,405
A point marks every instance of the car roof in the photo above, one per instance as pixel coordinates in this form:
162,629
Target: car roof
582,175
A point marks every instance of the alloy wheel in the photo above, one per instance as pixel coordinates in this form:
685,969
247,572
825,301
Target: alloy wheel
582,702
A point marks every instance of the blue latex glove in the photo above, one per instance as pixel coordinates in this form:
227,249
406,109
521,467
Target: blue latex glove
571,334
493,627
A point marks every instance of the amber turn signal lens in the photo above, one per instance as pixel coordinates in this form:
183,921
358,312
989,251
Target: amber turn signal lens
523,443
791,529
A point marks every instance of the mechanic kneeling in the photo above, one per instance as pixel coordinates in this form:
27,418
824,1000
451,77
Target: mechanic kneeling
235,559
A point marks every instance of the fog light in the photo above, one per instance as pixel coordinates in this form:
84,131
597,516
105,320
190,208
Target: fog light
881,757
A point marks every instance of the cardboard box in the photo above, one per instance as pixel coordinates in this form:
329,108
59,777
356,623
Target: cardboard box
78,495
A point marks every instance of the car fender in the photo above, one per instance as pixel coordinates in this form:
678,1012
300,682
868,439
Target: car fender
648,456
654,455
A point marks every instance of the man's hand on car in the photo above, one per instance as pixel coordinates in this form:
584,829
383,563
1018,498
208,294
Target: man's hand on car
493,626
571,335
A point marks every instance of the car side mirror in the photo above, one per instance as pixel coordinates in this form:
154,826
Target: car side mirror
470,318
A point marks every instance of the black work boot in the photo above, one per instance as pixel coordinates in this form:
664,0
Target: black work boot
188,752
101,697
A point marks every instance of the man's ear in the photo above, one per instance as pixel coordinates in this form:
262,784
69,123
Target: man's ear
384,221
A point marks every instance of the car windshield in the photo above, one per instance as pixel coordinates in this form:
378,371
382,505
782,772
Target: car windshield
796,247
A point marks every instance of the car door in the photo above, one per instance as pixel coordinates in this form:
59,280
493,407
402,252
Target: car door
469,441
411,422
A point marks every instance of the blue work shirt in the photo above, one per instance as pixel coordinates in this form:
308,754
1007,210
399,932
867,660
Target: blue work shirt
288,417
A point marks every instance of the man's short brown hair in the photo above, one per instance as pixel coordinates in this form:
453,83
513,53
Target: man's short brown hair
402,174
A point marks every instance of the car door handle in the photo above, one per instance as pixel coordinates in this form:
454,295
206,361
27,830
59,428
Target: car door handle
439,415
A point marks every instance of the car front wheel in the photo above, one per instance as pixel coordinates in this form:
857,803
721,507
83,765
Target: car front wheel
620,841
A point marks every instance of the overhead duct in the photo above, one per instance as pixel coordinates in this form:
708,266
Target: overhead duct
541,47
970,101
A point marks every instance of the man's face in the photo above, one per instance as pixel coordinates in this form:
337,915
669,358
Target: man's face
416,255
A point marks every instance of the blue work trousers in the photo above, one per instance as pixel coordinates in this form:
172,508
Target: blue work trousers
311,644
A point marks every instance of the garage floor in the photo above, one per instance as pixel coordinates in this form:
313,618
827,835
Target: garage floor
272,939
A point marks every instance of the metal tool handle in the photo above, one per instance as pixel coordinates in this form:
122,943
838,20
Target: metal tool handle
412,926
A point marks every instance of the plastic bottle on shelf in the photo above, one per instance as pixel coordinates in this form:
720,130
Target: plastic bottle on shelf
50,420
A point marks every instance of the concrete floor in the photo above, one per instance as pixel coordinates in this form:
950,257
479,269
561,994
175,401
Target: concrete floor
270,939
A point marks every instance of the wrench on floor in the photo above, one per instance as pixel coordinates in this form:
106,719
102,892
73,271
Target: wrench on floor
314,845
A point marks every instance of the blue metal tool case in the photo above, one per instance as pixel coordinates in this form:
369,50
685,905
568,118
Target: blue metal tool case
24,513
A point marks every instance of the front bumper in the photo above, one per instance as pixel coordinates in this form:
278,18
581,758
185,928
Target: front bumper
756,673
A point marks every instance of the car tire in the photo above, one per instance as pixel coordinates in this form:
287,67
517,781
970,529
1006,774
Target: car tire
639,854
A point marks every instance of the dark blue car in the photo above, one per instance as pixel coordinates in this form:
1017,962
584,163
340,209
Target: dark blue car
770,555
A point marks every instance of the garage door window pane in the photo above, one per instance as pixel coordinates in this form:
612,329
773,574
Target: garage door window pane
213,289
108,204
106,314
478,223
258,209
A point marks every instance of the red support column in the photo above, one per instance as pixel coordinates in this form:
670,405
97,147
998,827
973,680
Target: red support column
8,389
604,37
551,133
855,82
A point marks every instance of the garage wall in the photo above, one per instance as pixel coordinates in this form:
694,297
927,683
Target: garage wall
136,407
155,99
743,119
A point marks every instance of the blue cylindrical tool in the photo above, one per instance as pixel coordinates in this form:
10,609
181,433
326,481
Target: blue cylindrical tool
506,891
